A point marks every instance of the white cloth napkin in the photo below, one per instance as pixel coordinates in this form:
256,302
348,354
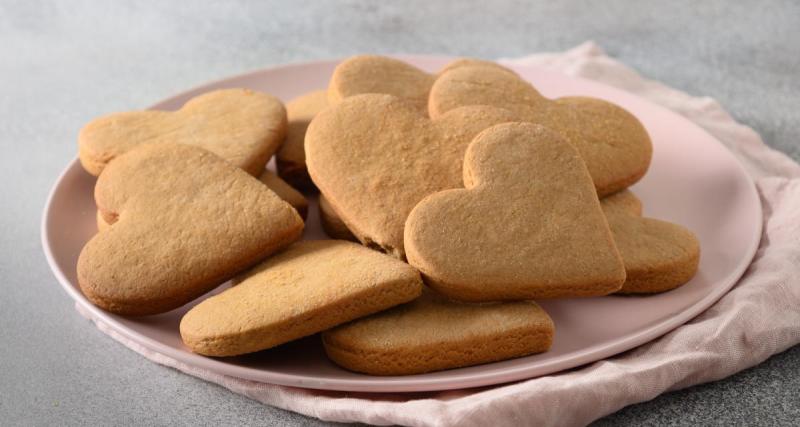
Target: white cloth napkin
756,319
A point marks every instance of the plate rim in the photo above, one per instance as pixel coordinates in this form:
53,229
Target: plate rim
413,383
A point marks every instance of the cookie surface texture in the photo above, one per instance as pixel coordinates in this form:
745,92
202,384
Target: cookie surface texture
528,224
310,287
376,156
184,221
285,192
102,225
658,255
381,75
624,200
242,126
613,143
277,185
291,157
362,74
433,333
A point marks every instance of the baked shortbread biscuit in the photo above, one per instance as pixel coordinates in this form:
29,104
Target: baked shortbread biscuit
658,255
291,157
376,156
285,192
242,126
184,221
331,223
613,143
622,200
528,225
102,225
310,287
433,333
354,76
363,74
277,185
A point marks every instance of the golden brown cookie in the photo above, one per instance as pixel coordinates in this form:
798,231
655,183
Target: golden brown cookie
613,143
658,255
375,156
433,333
184,221
102,225
528,225
241,126
362,74
312,286
331,223
277,185
291,157
379,74
473,62
624,200
336,228
285,192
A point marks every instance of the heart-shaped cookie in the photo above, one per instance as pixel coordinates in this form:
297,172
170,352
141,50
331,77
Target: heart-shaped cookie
528,224
379,74
354,76
613,143
658,255
241,126
375,156
433,333
184,221
312,286
622,200
291,157
277,185
362,74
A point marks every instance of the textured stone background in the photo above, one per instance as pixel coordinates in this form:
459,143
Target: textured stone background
66,62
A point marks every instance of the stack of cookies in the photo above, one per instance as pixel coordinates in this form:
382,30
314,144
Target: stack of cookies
454,200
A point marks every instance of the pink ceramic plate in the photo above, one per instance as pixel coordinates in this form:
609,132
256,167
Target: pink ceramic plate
693,181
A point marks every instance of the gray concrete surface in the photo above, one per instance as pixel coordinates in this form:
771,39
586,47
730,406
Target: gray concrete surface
66,62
